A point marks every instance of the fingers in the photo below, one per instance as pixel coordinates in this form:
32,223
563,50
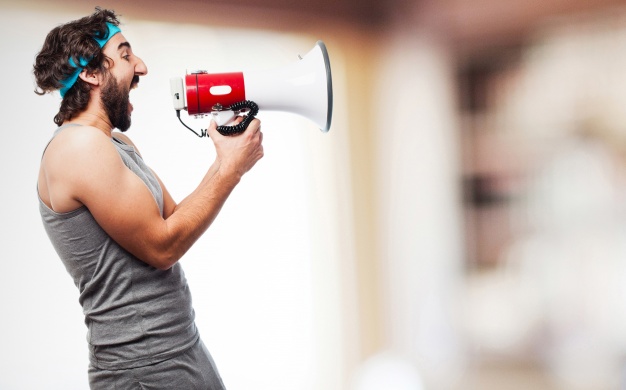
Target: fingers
241,152
254,131
236,120
254,134
213,125
212,130
250,141
254,127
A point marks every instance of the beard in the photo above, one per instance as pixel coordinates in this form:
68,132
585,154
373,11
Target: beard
116,103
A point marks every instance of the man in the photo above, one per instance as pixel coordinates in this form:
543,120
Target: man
113,223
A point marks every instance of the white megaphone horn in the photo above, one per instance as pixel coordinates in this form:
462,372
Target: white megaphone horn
303,88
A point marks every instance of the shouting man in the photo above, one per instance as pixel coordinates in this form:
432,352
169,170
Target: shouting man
113,223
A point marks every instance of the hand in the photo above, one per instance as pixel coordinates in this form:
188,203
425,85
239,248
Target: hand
237,154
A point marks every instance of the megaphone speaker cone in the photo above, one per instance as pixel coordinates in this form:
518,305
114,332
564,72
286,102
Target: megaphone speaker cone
303,87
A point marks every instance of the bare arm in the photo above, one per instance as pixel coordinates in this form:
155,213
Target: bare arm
84,167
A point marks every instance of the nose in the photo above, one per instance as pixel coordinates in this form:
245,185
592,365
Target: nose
140,68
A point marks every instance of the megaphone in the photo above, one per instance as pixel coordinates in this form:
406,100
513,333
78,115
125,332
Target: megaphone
303,88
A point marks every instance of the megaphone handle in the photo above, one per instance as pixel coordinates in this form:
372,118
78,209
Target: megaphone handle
243,125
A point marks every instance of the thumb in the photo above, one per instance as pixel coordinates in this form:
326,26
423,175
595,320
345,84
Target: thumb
212,130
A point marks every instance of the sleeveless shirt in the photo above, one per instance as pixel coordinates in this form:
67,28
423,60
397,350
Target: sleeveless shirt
135,314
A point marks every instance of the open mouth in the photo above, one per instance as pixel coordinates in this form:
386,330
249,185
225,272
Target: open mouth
135,82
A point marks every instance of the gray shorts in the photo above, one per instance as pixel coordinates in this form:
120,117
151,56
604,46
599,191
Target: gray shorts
194,369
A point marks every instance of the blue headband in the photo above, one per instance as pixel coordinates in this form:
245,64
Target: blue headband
82,62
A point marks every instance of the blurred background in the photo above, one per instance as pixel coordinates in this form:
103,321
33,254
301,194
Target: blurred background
461,226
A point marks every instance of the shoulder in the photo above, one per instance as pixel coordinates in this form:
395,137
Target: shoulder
78,148
79,162
72,141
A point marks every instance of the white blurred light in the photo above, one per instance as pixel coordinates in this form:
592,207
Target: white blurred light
386,371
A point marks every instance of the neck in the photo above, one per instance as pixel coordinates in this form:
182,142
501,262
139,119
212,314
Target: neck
95,117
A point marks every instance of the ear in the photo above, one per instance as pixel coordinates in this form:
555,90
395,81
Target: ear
90,78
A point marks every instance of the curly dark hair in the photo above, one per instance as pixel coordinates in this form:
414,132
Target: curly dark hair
72,40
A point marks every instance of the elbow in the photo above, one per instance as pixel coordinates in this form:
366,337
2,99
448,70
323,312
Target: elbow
164,259
163,265
166,249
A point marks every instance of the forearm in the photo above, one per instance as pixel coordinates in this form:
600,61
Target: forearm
193,216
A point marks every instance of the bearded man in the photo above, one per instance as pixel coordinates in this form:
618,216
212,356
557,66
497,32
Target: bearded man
113,223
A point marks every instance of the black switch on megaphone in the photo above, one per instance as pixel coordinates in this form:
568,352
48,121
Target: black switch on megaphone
303,88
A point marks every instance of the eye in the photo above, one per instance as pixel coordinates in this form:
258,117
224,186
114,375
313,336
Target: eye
126,57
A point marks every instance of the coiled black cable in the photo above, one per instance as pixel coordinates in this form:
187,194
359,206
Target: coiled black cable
243,125
230,130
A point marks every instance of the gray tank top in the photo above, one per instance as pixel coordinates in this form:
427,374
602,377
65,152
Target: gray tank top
135,314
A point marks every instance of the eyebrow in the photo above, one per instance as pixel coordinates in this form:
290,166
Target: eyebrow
123,44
